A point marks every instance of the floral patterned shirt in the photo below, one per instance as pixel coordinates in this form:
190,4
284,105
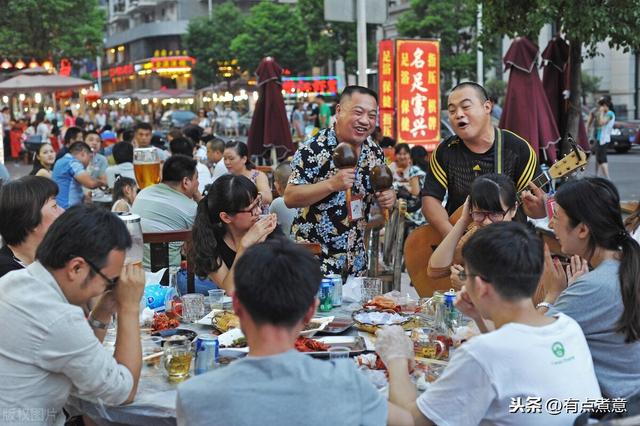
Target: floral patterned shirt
327,222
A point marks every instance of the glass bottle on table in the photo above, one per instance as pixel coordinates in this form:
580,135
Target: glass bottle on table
133,254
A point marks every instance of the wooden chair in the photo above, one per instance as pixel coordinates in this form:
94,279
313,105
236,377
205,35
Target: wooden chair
159,252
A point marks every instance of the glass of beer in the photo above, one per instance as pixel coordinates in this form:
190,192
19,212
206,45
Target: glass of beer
146,166
177,358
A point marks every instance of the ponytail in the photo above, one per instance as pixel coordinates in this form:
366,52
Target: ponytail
629,322
204,253
606,230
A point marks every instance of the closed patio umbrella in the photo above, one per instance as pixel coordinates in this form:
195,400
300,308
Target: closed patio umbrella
555,80
269,125
526,109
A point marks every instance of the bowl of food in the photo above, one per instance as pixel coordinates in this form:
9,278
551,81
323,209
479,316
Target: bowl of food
371,320
315,325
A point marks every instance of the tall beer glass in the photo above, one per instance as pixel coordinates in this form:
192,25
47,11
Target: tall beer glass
146,166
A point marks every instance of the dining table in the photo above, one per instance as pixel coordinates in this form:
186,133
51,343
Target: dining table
155,402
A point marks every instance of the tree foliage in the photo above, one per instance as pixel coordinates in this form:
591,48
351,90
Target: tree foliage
55,29
331,40
586,21
454,23
209,44
272,30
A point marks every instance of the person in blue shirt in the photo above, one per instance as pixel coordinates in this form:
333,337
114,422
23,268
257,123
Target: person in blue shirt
70,173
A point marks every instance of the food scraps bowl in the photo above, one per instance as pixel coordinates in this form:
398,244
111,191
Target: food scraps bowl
315,325
371,320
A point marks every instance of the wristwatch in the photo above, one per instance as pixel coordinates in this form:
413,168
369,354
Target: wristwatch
94,323
544,305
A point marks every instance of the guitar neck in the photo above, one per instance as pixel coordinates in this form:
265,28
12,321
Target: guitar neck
540,181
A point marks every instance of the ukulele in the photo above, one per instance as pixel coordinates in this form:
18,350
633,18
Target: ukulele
421,242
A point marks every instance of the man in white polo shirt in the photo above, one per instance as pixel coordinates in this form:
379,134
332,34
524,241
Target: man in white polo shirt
510,375
49,349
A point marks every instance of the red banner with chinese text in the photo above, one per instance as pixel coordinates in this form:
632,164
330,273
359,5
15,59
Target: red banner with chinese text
418,92
386,87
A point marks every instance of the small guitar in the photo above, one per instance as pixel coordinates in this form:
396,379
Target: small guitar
422,241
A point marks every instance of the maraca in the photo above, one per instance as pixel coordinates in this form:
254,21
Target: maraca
381,180
345,158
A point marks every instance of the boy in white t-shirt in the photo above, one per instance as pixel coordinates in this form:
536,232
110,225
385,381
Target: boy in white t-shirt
531,370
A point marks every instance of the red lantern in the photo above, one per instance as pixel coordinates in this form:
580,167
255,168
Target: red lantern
92,95
64,94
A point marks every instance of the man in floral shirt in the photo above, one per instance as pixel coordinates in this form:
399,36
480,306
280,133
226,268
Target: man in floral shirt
317,187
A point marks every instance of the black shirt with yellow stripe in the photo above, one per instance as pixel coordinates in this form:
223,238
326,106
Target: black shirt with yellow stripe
453,167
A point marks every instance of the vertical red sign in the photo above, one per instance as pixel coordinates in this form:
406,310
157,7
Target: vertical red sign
386,87
418,89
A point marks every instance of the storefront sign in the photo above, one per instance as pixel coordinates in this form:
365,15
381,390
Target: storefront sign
324,85
418,92
120,71
385,87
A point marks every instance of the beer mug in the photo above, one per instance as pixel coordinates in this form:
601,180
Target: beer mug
146,166
177,357
427,345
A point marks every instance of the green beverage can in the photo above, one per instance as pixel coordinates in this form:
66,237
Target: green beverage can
326,295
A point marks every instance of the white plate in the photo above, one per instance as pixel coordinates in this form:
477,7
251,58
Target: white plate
206,320
229,337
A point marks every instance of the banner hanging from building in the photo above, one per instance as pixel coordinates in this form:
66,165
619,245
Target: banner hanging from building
418,92
386,87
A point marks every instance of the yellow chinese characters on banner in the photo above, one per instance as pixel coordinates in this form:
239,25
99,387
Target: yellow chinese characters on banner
386,87
418,92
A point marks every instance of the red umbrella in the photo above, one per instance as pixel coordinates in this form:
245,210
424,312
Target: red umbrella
555,80
526,108
269,125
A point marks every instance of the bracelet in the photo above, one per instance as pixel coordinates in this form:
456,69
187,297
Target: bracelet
544,305
94,323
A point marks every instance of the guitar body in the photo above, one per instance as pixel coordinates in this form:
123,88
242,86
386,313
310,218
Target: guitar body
418,248
422,242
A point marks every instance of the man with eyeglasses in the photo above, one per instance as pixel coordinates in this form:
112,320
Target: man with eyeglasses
499,377
49,348
477,148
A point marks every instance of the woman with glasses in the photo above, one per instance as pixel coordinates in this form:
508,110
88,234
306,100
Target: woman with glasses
228,222
492,199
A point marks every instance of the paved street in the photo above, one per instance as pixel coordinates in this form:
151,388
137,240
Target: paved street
625,172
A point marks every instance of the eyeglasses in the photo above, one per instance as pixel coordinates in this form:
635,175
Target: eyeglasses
255,206
111,282
480,216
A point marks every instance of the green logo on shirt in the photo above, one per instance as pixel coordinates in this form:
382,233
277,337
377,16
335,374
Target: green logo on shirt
558,349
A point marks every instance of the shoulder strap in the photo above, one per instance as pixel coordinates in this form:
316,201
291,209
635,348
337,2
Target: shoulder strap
498,152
